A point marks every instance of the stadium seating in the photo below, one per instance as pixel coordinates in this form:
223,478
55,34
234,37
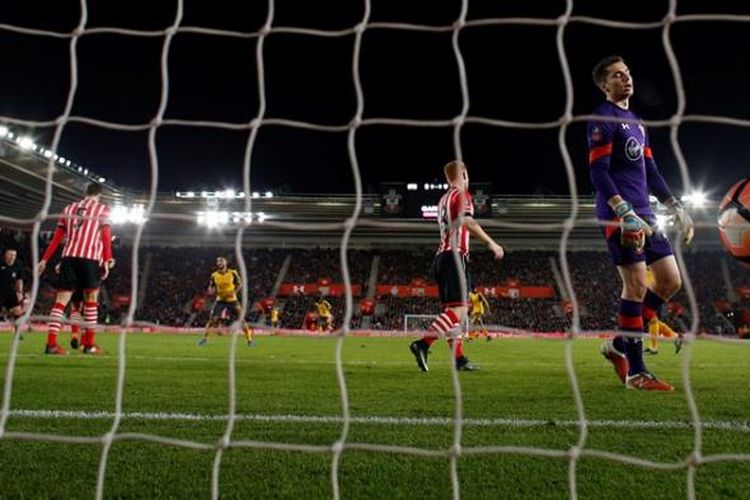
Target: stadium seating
175,277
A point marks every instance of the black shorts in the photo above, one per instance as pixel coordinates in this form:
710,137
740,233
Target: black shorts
8,300
221,305
77,296
77,273
448,279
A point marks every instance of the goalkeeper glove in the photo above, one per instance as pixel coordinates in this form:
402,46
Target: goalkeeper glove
683,220
633,229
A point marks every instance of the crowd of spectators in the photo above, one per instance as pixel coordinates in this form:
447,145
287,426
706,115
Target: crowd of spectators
170,278
310,265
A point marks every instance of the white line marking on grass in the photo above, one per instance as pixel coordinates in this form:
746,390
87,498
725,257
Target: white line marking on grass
727,425
275,358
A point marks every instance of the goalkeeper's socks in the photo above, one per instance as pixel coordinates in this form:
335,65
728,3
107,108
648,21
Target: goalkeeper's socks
652,305
57,314
630,319
619,343
445,322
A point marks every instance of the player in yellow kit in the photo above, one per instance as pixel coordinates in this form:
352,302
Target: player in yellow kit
657,328
274,318
479,307
325,317
226,284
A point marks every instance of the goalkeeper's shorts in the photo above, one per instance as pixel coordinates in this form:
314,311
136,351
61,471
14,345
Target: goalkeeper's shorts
657,247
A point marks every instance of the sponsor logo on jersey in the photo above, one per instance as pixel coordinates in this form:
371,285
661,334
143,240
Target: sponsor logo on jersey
633,149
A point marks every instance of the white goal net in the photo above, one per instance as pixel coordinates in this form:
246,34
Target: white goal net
352,127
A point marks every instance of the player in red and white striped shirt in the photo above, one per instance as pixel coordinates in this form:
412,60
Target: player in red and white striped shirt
85,226
455,217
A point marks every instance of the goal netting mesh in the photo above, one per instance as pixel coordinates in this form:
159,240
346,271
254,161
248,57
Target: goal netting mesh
574,454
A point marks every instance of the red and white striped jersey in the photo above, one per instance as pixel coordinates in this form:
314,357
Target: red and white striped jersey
82,223
453,204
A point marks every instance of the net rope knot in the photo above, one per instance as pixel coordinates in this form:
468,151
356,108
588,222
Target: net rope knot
265,30
337,448
108,438
223,443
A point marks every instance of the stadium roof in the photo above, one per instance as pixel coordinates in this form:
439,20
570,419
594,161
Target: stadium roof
297,220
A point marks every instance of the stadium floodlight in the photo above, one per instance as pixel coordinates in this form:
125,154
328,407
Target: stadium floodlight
269,194
67,164
695,199
102,179
426,187
10,135
26,143
412,186
118,214
47,153
256,194
229,193
134,214
213,218
262,216
85,170
137,214
4,130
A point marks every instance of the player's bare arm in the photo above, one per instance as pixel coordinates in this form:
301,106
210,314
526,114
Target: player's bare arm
476,230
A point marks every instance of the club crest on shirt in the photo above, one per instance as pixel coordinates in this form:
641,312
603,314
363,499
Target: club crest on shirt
633,149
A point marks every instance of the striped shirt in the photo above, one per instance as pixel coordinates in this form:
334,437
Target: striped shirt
82,223
452,205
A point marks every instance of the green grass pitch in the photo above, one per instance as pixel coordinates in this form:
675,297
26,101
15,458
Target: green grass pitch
521,397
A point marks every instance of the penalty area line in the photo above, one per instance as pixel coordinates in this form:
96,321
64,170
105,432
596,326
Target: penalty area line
727,425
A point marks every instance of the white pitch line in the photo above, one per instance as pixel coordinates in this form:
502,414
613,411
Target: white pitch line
727,425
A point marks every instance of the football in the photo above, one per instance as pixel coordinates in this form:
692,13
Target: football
734,221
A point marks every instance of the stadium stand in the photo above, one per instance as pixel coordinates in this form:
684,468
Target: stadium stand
176,280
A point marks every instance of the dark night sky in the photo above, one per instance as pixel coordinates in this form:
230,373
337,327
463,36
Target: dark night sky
513,73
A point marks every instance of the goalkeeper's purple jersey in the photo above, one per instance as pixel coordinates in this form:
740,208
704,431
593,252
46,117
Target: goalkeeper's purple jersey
621,162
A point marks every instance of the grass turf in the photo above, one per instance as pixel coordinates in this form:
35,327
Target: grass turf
523,381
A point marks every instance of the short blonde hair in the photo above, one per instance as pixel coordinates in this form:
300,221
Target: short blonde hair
453,169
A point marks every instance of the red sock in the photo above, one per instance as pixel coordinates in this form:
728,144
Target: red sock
459,347
55,323
444,323
75,316
89,318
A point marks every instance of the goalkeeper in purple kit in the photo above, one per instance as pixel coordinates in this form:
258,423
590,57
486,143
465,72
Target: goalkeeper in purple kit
623,173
